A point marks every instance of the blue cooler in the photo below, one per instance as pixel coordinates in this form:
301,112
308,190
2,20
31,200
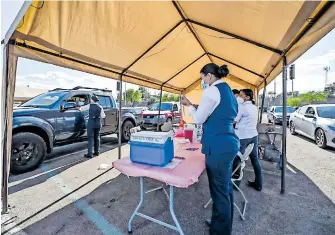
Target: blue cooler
151,148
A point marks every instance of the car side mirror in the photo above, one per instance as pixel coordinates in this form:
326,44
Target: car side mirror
308,115
69,105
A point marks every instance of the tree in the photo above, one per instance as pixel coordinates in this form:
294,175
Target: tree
145,93
133,96
294,102
152,100
312,97
330,89
173,98
165,97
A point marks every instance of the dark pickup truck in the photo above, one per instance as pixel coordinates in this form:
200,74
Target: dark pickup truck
53,119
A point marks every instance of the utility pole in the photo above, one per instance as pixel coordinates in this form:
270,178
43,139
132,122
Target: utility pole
292,76
326,69
125,93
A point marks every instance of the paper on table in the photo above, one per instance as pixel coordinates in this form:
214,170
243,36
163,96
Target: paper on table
172,164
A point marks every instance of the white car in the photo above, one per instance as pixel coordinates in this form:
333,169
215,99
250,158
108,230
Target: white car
316,122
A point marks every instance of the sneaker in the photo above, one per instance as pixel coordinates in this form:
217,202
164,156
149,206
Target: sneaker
96,154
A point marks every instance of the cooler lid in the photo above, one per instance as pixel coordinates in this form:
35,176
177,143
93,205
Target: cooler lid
151,136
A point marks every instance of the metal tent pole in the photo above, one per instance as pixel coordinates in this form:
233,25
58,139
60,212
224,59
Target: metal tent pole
159,109
7,101
263,99
119,117
5,165
284,125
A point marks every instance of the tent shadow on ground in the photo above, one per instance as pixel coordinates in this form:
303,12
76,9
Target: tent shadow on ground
41,174
303,209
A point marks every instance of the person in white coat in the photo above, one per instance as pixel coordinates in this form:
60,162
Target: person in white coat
246,130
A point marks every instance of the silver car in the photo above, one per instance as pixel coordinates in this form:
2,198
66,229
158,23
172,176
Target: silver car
316,122
275,114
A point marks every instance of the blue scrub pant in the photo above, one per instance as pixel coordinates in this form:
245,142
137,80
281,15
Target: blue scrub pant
219,170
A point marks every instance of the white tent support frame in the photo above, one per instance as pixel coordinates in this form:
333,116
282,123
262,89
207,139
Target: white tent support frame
10,85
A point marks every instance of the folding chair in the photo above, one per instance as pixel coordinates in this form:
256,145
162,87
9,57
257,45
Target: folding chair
243,158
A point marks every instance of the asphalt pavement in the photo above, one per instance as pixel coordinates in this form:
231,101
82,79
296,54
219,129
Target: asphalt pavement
70,195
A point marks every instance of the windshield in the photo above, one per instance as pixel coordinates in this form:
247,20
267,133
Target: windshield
44,100
164,107
326,112
280,109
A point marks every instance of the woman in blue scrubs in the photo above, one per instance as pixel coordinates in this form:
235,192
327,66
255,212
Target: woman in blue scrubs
216,112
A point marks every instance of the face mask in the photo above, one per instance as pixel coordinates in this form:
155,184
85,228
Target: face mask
204,85
81,103
239,100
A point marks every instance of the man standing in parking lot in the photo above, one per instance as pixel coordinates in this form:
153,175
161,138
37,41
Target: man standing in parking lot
96,113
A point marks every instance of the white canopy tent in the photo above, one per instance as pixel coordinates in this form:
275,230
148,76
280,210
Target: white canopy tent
163,44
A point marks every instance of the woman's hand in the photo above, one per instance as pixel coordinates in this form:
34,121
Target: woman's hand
185,101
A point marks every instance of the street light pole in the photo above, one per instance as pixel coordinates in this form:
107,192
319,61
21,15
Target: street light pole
326,69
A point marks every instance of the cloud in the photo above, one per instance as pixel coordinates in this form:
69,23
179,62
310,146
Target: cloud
309,74
60,79
315,63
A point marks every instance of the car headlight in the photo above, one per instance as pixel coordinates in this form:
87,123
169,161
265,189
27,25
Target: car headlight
331,128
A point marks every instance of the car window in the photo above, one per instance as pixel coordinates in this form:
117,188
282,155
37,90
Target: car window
102,101
113,103
105,102
79,99
108,103
44,100
310,110
164,107
302,110
326,112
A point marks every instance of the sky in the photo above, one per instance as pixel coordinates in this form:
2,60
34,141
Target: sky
309,67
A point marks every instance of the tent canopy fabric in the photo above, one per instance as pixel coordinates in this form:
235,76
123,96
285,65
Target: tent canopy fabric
165,43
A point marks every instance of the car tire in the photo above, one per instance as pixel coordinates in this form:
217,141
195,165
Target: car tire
125,135
292,128
28,152
320,138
